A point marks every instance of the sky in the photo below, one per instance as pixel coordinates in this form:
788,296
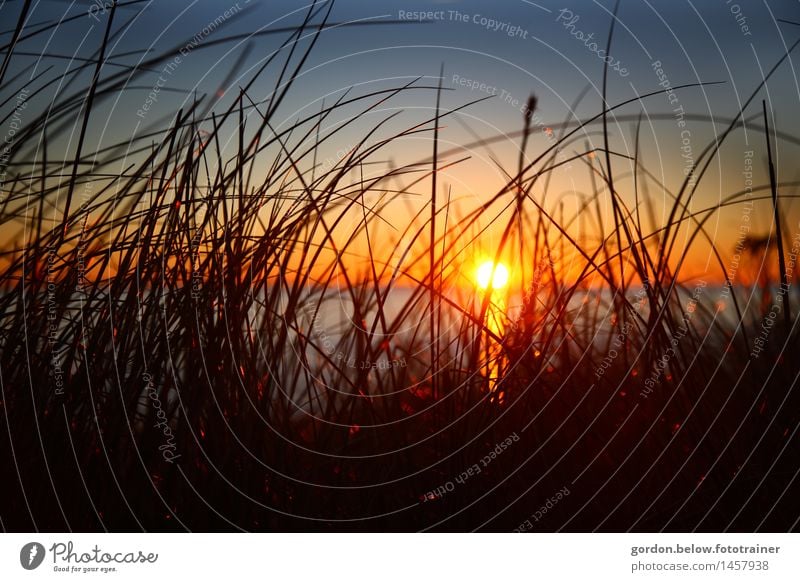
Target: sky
506,50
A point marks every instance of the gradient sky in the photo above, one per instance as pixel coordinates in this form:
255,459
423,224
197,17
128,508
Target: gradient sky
731,42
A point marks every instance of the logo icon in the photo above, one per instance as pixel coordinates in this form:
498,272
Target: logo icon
31,555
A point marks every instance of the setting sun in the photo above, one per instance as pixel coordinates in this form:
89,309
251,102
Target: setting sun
491,274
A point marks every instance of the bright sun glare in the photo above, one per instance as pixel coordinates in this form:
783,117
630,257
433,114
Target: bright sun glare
491,274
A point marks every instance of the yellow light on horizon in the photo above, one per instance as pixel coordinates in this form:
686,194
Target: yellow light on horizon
491,274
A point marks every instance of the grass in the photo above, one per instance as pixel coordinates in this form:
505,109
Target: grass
211,341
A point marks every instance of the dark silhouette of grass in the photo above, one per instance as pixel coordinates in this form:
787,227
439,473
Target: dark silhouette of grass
172,359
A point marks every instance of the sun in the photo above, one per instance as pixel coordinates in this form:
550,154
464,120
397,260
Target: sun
491,274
